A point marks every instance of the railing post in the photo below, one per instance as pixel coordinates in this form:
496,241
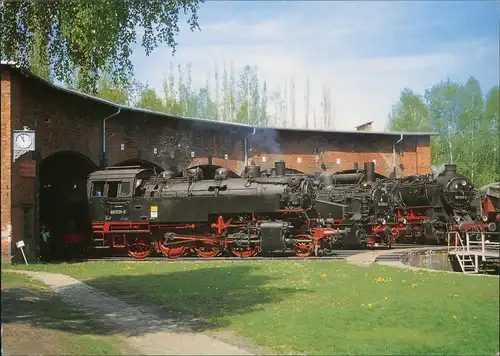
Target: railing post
467,240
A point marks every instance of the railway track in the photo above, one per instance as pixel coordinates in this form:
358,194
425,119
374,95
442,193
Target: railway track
337,255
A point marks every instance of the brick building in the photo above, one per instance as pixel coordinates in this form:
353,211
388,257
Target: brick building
70,144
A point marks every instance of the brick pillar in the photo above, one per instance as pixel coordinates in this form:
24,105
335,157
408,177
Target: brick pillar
6,168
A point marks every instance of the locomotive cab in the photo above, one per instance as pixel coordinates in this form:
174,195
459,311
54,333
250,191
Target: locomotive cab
111,193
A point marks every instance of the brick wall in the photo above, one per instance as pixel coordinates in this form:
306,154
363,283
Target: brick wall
305,152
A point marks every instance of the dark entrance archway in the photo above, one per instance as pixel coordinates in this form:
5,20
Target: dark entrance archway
142,163
63,204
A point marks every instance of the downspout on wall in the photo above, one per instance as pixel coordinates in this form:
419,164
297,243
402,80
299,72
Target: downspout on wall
246,149
104,158
394,154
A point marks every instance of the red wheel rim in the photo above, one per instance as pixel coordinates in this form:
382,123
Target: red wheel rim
303,249
207,249
245,252
139,249
171,252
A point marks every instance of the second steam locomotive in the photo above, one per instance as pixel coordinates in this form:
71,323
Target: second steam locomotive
137,211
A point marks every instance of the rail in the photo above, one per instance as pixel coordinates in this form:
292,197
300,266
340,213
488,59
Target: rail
474,251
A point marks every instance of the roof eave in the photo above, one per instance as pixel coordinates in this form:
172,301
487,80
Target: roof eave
212,122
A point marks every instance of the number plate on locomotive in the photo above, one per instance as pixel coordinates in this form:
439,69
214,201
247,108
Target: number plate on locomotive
117,212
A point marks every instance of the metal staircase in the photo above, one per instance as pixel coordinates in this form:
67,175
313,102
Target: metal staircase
477,253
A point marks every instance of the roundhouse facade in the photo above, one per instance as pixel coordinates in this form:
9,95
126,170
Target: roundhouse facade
77,133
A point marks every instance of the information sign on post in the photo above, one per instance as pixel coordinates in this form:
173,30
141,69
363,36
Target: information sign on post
20,245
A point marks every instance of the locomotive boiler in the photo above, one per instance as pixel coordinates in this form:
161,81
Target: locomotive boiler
136,210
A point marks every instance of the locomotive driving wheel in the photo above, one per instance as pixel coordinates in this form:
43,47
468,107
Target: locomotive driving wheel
140,248
170,251
246,251
303,249
207,249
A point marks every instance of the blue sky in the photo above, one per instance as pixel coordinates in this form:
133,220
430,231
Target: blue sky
366,52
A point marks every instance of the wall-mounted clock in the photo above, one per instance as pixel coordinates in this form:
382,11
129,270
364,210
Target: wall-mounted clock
24,140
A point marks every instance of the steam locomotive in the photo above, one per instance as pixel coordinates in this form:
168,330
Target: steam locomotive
135,210
419,208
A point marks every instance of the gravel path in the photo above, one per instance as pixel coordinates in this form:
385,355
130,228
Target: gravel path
143,332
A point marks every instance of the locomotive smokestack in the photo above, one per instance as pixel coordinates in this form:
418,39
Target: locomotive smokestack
452,168
356,165
369,172
279,166
252,171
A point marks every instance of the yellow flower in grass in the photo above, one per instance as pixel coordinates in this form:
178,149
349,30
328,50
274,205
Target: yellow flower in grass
369,305
455,317
414,285
324,275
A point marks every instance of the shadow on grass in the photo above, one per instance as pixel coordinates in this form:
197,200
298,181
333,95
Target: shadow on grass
177,301
46,310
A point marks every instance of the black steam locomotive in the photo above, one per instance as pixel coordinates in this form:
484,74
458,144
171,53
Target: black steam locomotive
419,208
135,210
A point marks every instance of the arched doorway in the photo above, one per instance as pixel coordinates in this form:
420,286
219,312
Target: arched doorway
142,163
63,204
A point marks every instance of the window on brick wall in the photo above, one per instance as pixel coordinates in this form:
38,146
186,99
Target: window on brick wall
28,221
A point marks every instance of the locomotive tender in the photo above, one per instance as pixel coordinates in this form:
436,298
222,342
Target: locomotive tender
138,211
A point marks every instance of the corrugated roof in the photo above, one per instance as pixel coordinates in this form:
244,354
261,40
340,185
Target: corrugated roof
212,122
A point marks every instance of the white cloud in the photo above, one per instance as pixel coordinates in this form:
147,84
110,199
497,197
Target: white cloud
329,49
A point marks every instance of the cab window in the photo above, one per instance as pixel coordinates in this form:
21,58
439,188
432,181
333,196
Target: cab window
113,189
125,189
98,189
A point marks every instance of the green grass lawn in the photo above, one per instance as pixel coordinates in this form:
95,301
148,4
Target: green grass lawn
36,321
315,307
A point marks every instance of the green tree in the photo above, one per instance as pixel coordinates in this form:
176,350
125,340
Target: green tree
409,114
89,35
149,99
466,121
39,58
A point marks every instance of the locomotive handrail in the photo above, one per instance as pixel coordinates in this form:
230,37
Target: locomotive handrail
474,246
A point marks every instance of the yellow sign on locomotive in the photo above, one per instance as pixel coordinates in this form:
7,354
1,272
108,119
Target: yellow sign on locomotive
154,212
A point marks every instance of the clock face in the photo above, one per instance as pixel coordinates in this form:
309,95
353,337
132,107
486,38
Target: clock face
23,141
